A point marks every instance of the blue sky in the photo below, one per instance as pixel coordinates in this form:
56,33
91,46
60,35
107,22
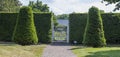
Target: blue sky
69,6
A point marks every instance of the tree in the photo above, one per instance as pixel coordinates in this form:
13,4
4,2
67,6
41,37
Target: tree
94,34
9,5
25,31
102,11
117,2
38,6
63,16
55,20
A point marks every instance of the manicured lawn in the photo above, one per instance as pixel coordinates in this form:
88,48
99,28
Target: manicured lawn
14,50
96,52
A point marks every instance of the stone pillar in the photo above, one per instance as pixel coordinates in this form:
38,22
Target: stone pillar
53,32
68,34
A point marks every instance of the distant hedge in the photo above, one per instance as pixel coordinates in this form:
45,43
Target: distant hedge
77,23
7,23
111,23
42,23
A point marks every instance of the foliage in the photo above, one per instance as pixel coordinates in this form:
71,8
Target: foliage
112,1
43,25
117,2
111,24
38,6
96,52
102,11
55,20
25,31
62,16
60,35
7,23
77,24
9,6
94,34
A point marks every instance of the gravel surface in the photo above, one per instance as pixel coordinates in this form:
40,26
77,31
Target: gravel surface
58,50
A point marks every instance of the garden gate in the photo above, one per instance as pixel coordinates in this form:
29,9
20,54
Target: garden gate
60,33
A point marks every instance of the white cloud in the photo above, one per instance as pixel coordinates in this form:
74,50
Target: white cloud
24,2
56,10
65,6
77,6
102,6
81,6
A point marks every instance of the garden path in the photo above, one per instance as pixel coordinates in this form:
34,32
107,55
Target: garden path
58,50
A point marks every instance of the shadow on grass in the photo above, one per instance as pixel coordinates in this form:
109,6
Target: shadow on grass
14,44
79,47
7,44
60,44
113,45
110,53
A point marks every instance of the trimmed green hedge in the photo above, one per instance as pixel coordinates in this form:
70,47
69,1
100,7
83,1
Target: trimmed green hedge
77,24
111,23
25,31
42,23
94,34
7,23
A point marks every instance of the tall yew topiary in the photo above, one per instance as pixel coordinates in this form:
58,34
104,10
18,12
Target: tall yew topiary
94,34
25,32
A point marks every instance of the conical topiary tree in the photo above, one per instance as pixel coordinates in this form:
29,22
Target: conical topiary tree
94,34
25,32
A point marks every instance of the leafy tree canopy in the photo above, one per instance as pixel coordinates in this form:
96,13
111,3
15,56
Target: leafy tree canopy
62,16
117,2
10,5
38,6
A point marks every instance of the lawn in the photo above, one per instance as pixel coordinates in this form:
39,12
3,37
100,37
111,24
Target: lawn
60,36
14,50
96,52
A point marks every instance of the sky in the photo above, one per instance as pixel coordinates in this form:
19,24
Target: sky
70,6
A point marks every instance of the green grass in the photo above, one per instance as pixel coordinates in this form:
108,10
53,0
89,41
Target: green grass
14,50
96,52
60,36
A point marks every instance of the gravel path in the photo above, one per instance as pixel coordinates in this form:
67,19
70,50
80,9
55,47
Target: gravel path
58,50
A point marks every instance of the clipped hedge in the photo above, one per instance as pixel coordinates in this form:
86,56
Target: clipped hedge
7,23
43,25
94,34
111,23
77,23
25,31
42,22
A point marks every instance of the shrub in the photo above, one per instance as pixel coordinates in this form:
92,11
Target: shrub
43,23
77,24
111,22
25,32
7,23
94,34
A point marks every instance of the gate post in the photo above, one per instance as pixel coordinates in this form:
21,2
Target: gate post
68,33
52,31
